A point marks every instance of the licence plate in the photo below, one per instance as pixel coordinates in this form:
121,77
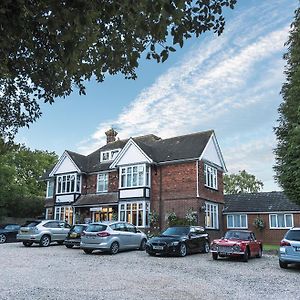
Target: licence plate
158,247
73,235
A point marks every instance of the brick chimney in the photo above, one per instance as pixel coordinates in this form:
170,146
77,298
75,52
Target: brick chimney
110,135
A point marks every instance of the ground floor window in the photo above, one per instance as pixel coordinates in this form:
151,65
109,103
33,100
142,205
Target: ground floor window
281,221
136,213
211,216
103,214
49,213
64,213
237,221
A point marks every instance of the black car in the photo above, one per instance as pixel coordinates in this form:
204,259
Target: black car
8,233
179,240
74,236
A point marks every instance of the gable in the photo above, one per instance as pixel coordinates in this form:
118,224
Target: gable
212,153
64,165
131,154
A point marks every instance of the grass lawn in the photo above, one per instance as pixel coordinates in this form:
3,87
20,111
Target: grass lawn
267,247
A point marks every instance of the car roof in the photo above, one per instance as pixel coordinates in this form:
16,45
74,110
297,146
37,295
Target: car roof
295,228
108,223
238,230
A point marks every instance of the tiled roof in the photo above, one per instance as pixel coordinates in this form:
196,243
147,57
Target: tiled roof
96,199
159,150
259,202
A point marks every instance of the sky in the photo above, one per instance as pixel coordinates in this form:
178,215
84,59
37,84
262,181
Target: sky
229,83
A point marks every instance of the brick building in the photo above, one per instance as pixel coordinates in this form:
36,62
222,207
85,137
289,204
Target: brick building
274,209
128,179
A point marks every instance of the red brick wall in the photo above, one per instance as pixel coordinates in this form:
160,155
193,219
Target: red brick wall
267,235
179,190
89,183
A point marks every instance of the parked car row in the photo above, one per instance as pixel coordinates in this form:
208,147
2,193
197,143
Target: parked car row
116,236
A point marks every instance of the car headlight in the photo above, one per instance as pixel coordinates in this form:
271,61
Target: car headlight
174,243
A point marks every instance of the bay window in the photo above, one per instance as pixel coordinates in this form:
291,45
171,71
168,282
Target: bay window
136,213
69,183
102,182
134,176
64,213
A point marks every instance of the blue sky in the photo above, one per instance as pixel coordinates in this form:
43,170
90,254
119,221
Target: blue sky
229,83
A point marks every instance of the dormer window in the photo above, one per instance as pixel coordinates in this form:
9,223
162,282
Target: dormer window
109,155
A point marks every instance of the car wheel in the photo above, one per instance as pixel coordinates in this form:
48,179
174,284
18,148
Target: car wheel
114,248
259,254
69,246
88,251
142,245
215,256
283,265
246,255
27,244
45,241
2,238
206,247
182,250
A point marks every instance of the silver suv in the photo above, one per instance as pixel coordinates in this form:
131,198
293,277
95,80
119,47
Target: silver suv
112,237
43,232
289,252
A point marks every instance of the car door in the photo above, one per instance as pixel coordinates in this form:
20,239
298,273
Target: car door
134,238
122,234
54,229
65,229
254,245
195,240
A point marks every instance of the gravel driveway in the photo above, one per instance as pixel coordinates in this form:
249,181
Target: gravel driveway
60,273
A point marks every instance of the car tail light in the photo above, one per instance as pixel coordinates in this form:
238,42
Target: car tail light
284,243
103,234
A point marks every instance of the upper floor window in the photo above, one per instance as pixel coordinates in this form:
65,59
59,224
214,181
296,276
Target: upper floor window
210,174
281,221
102,182
109,155
211,216
50,188
134,176
69,183
237,221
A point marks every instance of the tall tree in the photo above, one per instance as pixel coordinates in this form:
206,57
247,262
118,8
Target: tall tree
48,47
20,188
287,152
242,182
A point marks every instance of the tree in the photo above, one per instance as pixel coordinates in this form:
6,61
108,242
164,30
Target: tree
48,47
242,182
21,189
287,152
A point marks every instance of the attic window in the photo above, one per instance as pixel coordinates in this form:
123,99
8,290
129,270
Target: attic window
109,155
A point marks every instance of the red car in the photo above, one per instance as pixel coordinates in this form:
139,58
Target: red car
237,243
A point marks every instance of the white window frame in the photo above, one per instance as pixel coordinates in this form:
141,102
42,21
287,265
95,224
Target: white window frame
146,176
51,181
47,213
111,155
105,174
212,209
57,213
284,217
240,217
143,206
211,176
76,179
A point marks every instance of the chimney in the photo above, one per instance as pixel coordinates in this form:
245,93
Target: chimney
110,135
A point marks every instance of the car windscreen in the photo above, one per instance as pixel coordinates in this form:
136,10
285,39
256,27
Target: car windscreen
12,227
176,231
31,223
237,235
77,228
293,235
96,228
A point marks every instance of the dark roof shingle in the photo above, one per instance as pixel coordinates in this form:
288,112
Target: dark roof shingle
259,202
95,199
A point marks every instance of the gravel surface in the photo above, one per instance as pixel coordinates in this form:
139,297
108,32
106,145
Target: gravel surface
60,273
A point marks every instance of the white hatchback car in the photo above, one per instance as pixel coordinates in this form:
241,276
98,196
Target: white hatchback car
112,237
289,252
